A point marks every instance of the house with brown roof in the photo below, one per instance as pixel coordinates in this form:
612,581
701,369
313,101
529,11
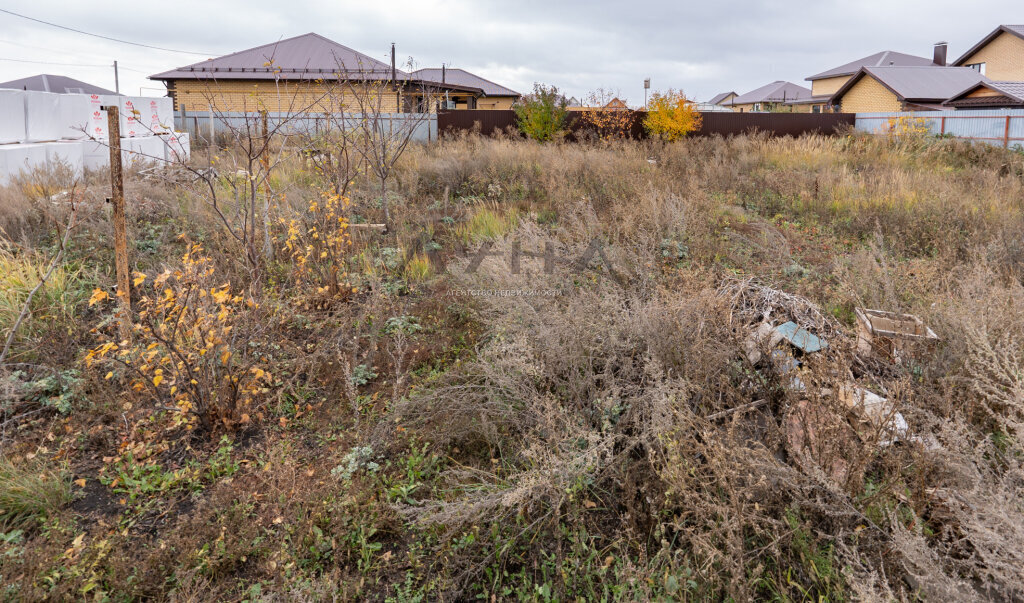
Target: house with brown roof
310,73
776,96
989,95
883,89
828,82
999,55
61,84
722,98
492,95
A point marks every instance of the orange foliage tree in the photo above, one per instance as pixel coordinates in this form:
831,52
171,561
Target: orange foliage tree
606,116
187,351
671,116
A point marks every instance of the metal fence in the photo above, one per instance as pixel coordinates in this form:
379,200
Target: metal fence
205,125
490,121
1003,127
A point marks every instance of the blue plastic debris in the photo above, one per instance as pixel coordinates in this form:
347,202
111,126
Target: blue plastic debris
801,338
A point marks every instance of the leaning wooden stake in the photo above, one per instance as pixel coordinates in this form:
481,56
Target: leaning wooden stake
124,293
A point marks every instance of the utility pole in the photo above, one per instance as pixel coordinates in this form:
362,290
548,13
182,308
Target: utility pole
647,86
117,82
124,293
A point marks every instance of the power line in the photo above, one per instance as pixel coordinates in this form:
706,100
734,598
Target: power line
3,10
52,63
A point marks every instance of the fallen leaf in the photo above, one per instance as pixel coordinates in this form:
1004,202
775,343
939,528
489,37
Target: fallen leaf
80,482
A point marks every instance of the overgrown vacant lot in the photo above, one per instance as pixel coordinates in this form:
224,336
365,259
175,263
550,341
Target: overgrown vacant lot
382,419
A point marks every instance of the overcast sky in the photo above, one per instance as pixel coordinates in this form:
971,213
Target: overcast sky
702,47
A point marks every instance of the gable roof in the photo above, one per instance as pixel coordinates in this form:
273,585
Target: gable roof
461,77
1007,93
775,92
721,96
920,84
45,82
879,59
1016,30
302,57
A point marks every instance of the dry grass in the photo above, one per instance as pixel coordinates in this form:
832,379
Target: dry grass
593,432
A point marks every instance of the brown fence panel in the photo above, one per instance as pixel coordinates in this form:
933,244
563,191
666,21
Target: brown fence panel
774,124
491,121
712,122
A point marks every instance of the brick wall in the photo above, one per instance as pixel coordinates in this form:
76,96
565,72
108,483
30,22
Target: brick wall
256,95
1003,58
868,96
829,85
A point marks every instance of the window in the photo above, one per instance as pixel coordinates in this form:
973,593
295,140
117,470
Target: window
757,106
979,67
815,108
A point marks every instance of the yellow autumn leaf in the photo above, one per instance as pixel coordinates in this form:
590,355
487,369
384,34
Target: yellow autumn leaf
139,277
158,380
80,482
98,295
109,375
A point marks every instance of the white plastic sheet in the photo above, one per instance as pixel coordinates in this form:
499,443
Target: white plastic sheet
12,116
143,150
98,117
42,116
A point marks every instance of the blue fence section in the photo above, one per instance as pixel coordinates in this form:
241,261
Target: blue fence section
203,125
1001,127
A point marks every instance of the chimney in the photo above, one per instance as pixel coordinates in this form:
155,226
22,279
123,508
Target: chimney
940,54
394,79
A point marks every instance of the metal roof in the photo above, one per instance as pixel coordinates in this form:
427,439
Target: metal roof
721,96
302,57
1017,30
775,92
925,83
879,59
461,77
1010,93
45,82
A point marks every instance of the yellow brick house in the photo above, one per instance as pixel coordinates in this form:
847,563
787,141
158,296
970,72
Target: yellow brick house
312,74
999,56
890,88
828,82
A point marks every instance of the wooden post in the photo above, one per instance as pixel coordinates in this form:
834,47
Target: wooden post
1006,134
124,293
942,129
268,246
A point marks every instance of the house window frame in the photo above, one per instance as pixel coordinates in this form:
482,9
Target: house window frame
979,67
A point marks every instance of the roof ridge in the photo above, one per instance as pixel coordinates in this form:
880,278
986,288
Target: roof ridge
277,43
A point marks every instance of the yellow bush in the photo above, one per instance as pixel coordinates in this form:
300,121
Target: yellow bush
670,116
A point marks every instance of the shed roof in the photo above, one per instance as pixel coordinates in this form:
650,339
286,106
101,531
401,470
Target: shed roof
879,59
1008,93
462,77
775,92
1016,30
45,82
921,84
721,96
302,57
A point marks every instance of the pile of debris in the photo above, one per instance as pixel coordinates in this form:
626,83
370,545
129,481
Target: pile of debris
826,412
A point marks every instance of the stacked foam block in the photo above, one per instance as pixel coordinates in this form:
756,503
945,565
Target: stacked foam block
43,129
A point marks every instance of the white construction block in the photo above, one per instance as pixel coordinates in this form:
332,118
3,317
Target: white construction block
18,158
96,154
42,116
12,116
176,146
133,120
143,150
157,114
75,116
98,117
70,154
